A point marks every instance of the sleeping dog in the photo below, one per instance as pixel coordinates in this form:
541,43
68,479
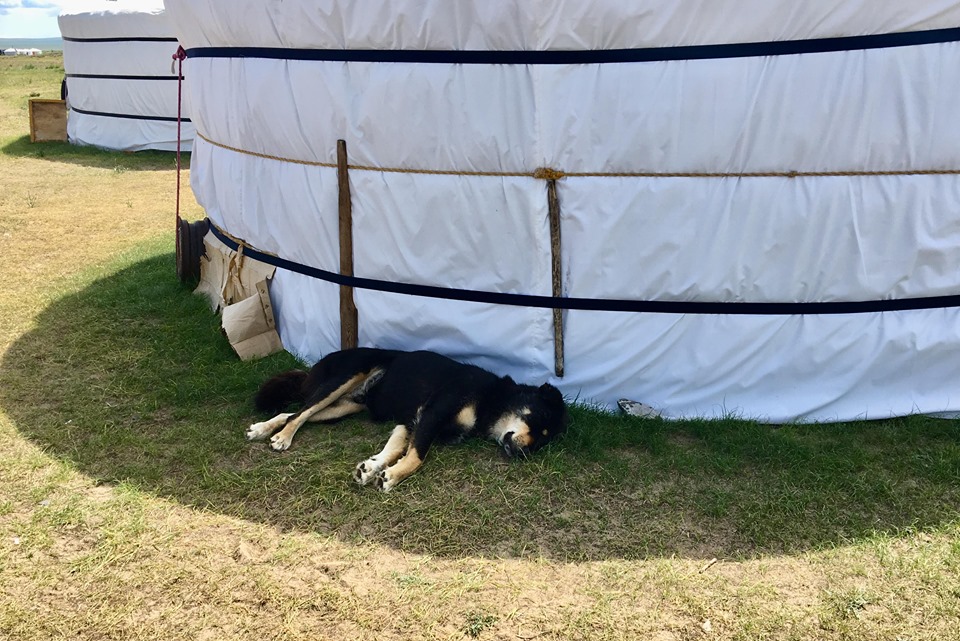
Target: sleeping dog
430,397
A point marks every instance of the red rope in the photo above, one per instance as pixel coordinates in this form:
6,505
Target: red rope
179,56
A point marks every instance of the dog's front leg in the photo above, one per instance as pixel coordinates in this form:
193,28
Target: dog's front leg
423,437
394,449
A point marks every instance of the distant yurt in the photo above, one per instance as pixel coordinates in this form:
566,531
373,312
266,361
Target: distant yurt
121,84
739,207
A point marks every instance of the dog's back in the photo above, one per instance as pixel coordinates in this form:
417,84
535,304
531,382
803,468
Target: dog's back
414,378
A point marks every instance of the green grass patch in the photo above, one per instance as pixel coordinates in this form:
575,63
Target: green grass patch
477,622
130,380
118,161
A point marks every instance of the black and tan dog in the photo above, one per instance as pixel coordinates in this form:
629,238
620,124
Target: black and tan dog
431,398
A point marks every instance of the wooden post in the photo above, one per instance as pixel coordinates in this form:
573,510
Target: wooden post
348,310
553,206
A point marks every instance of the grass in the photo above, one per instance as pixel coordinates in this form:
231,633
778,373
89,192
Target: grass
162,405
478,622
132,507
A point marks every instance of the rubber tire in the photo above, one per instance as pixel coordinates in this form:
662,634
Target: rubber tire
190,249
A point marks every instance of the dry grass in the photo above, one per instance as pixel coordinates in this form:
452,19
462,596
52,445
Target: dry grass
132,508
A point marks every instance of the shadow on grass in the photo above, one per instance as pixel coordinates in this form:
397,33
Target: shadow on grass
148,160
130,380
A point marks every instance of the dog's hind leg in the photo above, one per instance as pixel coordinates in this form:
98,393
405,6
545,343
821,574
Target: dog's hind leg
262,430
395,448
323,400
343,407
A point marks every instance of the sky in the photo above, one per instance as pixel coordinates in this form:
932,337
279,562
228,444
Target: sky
30,18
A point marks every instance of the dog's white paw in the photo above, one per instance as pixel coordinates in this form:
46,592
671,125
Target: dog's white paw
280,442
385,481
366,471
258,431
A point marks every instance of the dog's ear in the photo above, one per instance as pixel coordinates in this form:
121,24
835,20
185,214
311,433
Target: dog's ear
504,385
551,393
554,398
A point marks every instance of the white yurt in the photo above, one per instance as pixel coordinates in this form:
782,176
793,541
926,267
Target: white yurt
741,207
121,85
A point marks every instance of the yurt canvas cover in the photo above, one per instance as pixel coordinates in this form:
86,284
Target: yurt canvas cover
759,200
121,86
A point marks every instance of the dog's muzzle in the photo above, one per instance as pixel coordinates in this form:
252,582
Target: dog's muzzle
510,448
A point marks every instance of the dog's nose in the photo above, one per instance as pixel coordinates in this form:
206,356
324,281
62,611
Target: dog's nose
507,442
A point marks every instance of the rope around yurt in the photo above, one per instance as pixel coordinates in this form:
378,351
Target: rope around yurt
547,173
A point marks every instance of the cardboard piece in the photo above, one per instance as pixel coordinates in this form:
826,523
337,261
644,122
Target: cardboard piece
226,277
239,288
48,120
250,325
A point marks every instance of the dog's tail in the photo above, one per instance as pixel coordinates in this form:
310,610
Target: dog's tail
280,391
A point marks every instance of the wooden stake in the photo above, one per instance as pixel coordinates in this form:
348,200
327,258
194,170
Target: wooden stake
348,309
553,206
709,565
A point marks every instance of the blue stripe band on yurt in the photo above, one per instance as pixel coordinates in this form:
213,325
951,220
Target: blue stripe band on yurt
123,39
108,114
599,56
595,304
103,76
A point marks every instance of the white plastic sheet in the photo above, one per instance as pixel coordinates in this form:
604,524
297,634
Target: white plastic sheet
877,228
540,24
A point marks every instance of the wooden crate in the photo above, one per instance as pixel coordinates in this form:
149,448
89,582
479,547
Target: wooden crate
48,120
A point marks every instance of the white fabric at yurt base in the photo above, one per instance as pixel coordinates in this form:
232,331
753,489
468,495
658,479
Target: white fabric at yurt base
768,188
121,88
